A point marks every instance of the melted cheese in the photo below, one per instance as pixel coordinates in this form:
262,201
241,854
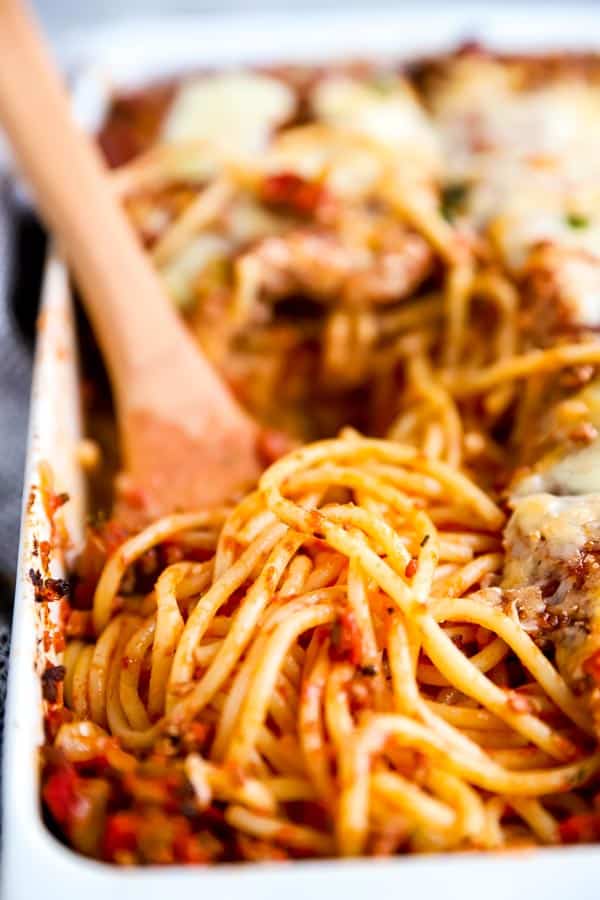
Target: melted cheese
237,112
549,563
495,131
566,468
530,158
577,473
579,283
558,527
349,166
392,116
535,216
357,125
556,510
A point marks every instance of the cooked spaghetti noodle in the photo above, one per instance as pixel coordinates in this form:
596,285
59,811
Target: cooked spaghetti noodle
360,657
338,658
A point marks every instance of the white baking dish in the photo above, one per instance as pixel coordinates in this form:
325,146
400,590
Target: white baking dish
34,862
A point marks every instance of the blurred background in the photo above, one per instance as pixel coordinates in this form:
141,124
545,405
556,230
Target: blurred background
80,31
61,14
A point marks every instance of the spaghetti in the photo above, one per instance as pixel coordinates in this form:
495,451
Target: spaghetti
392,644
333,660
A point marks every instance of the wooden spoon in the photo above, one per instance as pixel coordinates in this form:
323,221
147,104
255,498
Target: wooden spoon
185,442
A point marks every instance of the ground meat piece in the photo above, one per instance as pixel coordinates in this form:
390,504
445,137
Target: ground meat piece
319,264
561,286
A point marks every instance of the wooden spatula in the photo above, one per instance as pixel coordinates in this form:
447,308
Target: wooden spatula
185,441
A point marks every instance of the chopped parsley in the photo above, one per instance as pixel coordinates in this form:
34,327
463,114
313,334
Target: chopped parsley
576,220
453,198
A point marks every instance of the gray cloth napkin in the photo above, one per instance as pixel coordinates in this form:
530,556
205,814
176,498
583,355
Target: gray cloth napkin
15,379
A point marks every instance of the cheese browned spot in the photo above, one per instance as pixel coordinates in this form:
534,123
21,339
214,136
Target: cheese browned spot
553,559
552,568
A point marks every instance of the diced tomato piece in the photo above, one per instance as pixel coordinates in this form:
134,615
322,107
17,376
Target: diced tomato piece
412,567
291,190
185,847
580,829
120,834
60,793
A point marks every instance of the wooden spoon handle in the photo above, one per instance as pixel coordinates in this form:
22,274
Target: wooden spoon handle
135,327
184,439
